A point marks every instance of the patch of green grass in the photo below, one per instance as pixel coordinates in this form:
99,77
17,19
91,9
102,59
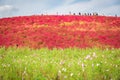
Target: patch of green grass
59,64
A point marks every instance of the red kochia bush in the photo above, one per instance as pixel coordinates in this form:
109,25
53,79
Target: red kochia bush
60,31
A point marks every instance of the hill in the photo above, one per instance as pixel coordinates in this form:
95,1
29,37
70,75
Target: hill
60,31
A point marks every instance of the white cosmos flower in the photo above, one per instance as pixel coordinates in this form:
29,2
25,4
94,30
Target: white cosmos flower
64,69
87,57
94,54
92,65
65,76
59,71
97,64
83,65
71,74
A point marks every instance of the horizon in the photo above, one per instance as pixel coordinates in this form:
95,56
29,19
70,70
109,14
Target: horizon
13,8
82,15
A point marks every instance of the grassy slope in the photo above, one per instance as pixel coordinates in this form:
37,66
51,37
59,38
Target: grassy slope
67,64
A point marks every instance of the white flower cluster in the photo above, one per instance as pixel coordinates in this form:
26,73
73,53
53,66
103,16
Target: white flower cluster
90,57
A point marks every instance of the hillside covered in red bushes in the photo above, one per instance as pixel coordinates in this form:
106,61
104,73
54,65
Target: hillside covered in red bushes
60,31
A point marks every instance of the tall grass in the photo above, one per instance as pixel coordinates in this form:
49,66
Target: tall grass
59,64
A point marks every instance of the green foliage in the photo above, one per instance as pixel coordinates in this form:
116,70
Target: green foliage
59,64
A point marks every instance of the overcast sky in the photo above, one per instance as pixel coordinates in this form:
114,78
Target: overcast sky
10,8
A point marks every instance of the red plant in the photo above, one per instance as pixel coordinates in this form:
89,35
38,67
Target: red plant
60,31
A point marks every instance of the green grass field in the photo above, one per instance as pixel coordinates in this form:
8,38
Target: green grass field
59,64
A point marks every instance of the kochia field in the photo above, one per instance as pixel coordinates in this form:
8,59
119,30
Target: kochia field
60,31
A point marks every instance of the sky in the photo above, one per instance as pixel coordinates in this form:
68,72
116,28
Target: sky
10,8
